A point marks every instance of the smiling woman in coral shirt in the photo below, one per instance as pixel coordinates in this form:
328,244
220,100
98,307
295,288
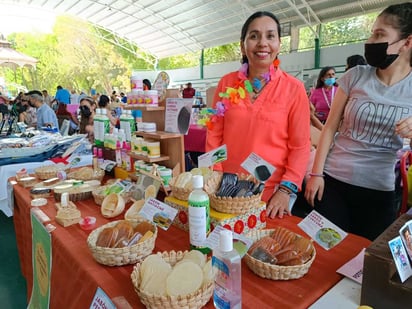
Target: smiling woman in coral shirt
265,111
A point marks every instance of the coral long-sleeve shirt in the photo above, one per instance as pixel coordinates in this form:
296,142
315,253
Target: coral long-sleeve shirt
276,126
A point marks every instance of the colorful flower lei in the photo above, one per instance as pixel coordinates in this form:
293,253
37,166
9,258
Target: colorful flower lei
234,95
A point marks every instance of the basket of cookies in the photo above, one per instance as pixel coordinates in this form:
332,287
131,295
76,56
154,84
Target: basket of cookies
51,171
87,173
174,280
122,242
233,193
279,254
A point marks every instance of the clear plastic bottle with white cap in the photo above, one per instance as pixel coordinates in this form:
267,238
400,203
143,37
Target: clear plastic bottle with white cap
227,267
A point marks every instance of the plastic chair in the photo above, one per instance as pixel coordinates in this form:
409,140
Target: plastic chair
406,161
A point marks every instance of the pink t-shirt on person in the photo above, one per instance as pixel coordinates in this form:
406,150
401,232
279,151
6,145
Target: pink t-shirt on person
322,98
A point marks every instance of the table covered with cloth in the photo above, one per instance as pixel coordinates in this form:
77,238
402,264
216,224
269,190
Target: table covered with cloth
195,139
76,275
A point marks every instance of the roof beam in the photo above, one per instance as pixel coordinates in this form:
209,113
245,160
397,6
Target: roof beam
294,7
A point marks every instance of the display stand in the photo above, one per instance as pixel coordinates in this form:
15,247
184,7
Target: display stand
171,144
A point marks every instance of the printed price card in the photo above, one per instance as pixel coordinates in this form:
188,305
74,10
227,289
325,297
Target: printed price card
320,229
354,268
101,300
158,212
259,168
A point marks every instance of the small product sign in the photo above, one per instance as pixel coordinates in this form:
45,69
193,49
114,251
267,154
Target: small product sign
101,301
159,213
212,157
320,229
258,167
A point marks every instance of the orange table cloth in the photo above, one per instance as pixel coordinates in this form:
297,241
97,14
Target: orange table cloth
76,275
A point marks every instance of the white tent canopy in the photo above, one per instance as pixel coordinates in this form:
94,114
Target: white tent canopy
171,27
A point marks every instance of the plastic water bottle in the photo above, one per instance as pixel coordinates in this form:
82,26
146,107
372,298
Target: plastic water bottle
127,123
199,215
228,273
98,139
105,122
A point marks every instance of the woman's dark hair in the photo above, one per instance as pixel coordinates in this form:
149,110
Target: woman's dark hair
104,100
354,60
320,83
247,23
88,99
399,16
147,83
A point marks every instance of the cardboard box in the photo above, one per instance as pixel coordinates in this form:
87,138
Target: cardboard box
255,219
381,285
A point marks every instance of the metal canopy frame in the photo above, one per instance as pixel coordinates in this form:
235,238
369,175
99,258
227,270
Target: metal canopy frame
165,28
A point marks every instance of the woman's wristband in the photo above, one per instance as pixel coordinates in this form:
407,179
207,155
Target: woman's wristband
283,190
316,175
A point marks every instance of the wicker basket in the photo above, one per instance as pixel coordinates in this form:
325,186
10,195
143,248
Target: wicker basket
50,171
120,256
197,299
230,205
275,272
98,195
87,173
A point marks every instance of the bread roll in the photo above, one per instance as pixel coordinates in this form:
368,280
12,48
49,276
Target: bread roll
143,227
105,238
125,230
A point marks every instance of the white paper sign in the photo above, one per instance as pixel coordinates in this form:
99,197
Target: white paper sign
354,268
259,168
158,212
101,300
401,258
212,157
177,115
321,230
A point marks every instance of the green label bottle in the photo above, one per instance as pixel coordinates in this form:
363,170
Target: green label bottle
199,215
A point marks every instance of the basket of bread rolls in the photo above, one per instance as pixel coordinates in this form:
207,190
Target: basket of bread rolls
174,280
233,193
122,242
279,254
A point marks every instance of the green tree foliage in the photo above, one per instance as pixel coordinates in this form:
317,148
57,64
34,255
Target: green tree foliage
339,32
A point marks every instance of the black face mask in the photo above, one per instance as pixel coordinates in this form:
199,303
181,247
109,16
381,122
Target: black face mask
376,56
85,111
32,105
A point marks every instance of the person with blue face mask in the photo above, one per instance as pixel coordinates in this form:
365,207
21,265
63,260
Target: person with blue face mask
321,97
352,181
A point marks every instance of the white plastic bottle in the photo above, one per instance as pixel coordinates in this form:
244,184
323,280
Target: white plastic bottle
227,266
105,122
127,123
98,140
199,215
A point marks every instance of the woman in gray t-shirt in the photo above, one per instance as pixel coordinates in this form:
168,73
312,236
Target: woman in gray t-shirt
352,180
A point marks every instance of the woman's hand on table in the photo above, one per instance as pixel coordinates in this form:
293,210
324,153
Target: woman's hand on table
278,205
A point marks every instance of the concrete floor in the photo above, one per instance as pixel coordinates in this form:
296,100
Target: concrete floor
12,284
